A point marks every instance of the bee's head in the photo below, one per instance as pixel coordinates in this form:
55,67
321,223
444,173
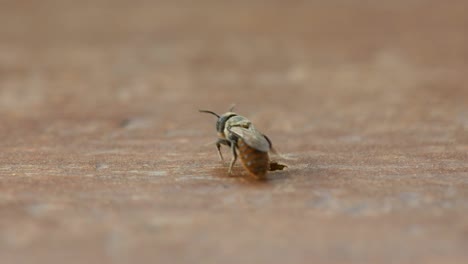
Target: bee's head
221,122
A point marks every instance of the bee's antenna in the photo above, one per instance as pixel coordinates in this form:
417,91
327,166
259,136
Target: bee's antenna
209,112
232,107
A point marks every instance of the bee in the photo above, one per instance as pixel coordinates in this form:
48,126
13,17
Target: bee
245,141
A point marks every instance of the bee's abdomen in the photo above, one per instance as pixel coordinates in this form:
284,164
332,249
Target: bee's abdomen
255,161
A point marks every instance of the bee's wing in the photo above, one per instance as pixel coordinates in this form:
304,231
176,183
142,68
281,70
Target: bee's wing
252,137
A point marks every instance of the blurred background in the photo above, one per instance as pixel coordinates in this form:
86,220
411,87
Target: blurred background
104,156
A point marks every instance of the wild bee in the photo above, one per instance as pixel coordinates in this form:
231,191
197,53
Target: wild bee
238,133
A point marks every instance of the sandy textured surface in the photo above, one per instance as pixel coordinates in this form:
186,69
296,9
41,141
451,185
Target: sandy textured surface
105,159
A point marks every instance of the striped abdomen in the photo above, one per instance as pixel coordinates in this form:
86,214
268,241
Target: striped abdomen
255,161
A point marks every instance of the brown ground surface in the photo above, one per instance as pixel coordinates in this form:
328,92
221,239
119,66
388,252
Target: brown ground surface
104,157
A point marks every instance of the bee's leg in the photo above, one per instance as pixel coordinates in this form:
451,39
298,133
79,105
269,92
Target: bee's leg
234,157
272,149
218,146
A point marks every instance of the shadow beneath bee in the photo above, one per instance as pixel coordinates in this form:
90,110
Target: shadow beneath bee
242,177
